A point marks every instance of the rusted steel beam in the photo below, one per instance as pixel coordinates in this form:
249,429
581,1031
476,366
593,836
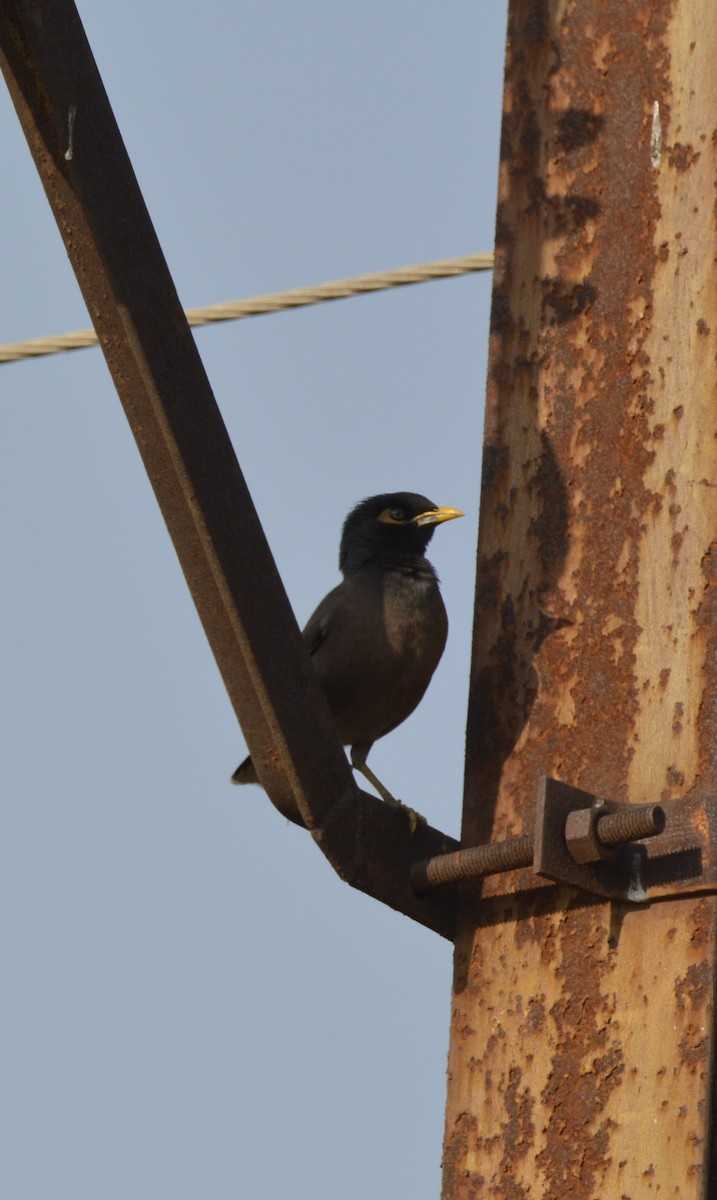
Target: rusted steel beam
191,464
582,1040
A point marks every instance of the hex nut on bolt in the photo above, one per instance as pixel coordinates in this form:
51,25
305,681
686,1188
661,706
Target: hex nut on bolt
581,834
597,832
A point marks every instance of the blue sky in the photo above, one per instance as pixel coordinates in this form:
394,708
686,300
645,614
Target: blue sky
193,1005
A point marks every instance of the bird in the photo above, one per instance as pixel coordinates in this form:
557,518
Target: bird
376,639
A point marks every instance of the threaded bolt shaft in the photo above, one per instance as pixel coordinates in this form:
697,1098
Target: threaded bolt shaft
630,824
473,863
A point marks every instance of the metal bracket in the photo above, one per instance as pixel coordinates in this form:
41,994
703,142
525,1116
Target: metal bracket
568,849
618,851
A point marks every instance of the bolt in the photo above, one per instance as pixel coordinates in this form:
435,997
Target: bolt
589,833
630,823
596,832
473,863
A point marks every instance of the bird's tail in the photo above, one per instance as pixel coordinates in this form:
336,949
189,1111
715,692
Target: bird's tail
245,773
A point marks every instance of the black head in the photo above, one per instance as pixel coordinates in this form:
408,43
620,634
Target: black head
392,526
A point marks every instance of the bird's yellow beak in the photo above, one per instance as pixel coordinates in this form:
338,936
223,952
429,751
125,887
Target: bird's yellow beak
437,515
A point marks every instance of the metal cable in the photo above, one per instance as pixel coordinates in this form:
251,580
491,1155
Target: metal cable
274,302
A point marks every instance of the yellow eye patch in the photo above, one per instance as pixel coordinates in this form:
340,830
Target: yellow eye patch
393,516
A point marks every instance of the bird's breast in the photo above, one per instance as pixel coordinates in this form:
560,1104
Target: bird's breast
385,639
413,616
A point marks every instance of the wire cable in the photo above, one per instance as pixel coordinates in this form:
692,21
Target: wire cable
235,310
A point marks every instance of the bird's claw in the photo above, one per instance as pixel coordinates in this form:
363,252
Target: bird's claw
414,818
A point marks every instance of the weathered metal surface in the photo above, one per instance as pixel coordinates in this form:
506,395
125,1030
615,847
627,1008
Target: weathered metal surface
584,1072
191,464
582,1034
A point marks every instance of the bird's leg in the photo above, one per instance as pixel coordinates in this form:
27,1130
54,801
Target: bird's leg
358,762
376,783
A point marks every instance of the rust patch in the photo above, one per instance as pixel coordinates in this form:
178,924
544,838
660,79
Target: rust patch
675,779
682,157
693,1048
517,1132
702,925
536,1017
694,988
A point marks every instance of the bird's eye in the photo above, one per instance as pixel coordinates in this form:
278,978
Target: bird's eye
393,516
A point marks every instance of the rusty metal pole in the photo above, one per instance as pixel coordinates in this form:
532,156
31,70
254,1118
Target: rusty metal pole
581,1057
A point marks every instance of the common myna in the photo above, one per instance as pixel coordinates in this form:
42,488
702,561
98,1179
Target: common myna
377,638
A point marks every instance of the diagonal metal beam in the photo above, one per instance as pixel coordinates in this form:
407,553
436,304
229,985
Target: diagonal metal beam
98,206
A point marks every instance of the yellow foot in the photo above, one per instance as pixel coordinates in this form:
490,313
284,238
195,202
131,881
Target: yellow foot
414,818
